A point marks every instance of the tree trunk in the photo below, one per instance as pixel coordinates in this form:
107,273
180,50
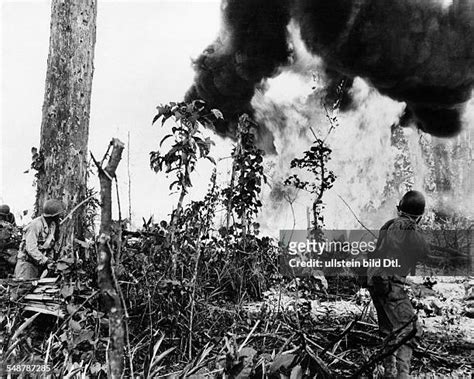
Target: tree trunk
66,108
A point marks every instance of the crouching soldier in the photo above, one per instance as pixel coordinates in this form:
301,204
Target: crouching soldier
399,239
36,249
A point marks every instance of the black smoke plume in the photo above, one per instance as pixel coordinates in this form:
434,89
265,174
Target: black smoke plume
417,51
252,45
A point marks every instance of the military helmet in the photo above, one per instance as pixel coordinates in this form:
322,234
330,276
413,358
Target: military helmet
412,203
4,209
52,208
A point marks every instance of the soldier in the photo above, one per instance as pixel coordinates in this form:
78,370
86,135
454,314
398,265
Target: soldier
38,241
10,237
6,215
400,239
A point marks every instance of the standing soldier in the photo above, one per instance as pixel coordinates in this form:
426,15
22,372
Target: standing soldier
400,239
38,241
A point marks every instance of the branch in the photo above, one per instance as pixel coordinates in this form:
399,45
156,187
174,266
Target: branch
360,222
75,209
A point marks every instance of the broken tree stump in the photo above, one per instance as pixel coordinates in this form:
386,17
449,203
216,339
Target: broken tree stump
109,294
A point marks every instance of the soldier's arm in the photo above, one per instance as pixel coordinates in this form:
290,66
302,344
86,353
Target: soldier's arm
31,244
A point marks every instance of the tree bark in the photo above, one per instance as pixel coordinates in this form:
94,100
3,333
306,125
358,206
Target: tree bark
109,295
66,108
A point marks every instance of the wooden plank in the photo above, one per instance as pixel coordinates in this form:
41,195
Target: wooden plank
46,290
38,309
50,304
48,280
41,297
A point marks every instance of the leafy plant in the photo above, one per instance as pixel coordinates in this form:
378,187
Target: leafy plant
242,195
315,162
189,144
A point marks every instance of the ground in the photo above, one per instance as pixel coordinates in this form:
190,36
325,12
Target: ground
448,335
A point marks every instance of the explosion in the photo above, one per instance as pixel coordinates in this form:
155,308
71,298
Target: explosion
375,159
406,65
420,52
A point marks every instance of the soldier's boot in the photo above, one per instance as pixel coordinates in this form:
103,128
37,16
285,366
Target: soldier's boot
390,366
404,354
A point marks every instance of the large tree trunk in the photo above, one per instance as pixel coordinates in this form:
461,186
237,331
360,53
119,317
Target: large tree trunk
66,107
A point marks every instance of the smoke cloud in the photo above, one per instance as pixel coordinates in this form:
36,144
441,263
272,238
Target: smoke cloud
252,45
420,52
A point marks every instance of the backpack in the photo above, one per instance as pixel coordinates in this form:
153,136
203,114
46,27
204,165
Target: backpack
361,272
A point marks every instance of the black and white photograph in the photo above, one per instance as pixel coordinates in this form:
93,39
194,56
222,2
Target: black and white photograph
236,189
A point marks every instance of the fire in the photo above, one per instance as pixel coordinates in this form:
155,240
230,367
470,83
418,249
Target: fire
374,158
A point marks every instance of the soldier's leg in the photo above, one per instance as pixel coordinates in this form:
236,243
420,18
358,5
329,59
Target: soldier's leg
404,354
26,270
379,293
400,311
390,366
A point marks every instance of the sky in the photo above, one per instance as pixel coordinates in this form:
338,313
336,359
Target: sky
142,59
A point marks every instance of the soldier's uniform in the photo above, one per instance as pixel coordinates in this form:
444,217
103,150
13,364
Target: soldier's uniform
35,249
401,239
